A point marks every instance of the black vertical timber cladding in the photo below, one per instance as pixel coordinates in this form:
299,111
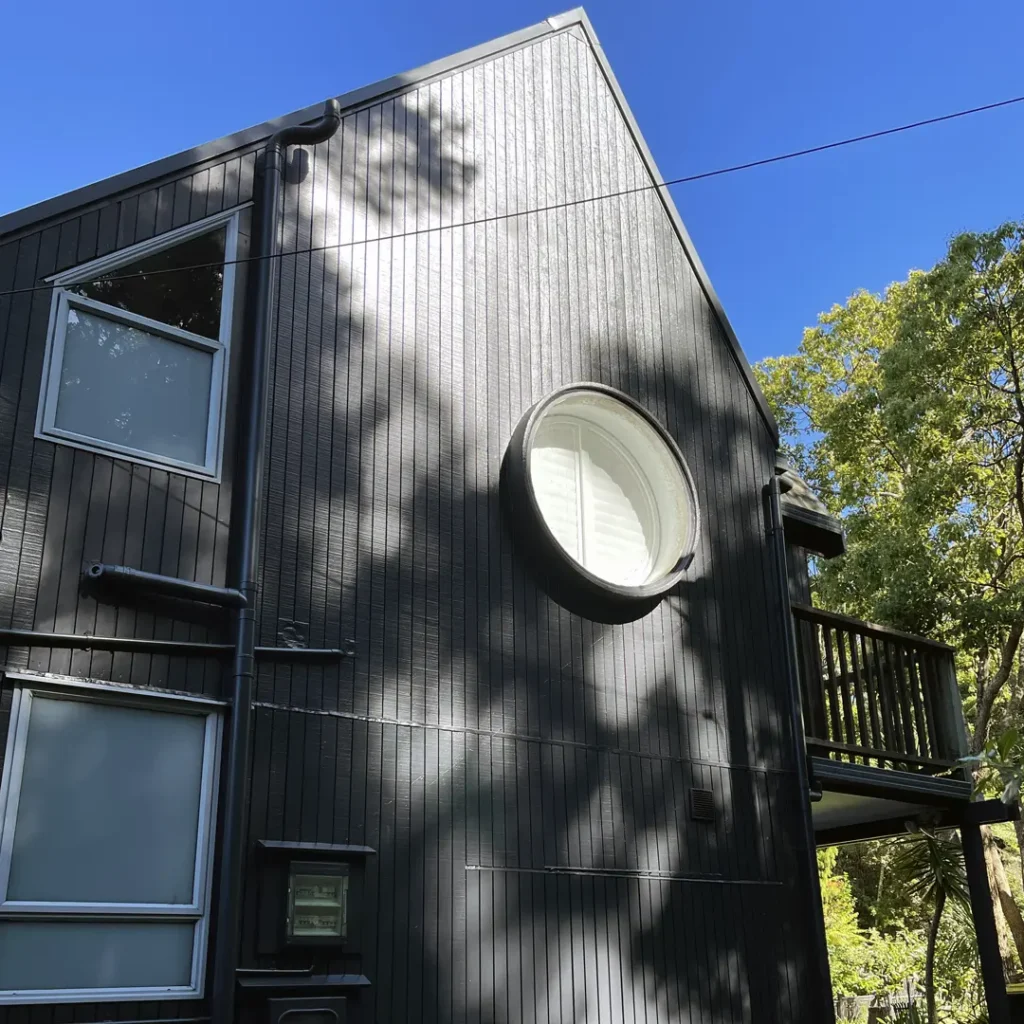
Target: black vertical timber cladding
61,507
524,775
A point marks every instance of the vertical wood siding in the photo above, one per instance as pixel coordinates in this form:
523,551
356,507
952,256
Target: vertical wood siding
523,774
61,507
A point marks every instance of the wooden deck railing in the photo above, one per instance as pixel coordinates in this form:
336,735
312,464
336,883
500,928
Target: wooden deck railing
875,696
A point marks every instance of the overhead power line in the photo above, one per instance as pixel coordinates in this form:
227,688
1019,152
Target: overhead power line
552,207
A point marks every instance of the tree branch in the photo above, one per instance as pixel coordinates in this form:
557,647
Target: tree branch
991,688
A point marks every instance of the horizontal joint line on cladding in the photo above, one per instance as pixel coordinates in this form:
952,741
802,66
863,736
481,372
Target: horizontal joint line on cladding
659,876
521,737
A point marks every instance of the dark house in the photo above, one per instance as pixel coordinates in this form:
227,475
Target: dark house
395,619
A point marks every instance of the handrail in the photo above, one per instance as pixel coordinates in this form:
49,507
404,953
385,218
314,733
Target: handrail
806,611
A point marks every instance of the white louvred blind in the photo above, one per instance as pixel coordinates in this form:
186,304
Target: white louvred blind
594,499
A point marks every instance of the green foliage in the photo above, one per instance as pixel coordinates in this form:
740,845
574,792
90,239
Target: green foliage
927,864
876,927
863,961
998,768
958,981
848,947
880,904
906,412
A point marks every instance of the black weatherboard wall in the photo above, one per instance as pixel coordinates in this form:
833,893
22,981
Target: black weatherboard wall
524,775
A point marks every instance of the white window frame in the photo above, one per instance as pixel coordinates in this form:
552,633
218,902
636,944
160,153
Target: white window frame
27,688
64,300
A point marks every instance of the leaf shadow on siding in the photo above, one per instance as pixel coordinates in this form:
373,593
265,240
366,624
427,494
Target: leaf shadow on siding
529,808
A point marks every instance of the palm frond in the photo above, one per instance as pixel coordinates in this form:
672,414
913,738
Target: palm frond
929,863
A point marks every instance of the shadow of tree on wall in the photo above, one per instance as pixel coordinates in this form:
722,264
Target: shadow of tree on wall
523,774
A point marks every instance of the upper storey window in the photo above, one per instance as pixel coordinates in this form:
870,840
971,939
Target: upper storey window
137,356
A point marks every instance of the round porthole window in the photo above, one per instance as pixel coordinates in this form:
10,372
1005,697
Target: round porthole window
600,497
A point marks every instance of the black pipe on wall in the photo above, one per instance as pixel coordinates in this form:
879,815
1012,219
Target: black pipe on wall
244,556
821,1000
167,586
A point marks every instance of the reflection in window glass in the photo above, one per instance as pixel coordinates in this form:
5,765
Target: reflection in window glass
119,823
45,955
128,387
189,299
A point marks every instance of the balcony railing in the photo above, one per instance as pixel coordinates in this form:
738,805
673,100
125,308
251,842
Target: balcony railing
875,696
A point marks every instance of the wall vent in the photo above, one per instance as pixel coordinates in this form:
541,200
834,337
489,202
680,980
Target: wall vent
702,805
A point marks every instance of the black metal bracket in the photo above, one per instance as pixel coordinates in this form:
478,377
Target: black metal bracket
329,850
314,981
989,812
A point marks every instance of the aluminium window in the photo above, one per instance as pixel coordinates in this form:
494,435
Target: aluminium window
137,350
107,816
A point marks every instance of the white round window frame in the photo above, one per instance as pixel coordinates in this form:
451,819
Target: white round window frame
553,405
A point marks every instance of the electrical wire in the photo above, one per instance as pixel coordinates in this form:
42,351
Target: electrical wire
552,207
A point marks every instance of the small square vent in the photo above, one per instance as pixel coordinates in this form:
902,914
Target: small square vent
702,805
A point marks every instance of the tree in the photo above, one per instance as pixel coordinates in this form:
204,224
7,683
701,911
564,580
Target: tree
906,411
932,870
847,942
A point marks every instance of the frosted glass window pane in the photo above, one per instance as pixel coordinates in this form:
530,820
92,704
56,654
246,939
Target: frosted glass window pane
94,954
126,386
109,805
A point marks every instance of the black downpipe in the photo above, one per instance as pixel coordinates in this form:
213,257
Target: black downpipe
244,557
807,863
166,586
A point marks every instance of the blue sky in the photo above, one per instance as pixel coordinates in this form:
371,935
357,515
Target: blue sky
94,89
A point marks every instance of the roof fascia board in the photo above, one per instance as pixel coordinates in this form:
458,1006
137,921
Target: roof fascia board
35,215
579,16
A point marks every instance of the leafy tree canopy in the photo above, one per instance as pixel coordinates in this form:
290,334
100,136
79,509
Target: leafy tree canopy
906,412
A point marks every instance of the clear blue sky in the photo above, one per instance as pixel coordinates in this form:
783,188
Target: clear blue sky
88,90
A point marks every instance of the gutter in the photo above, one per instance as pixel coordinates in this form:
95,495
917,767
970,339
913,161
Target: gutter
244,558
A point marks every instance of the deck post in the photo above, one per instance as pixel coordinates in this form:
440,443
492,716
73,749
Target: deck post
992,977
949,712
